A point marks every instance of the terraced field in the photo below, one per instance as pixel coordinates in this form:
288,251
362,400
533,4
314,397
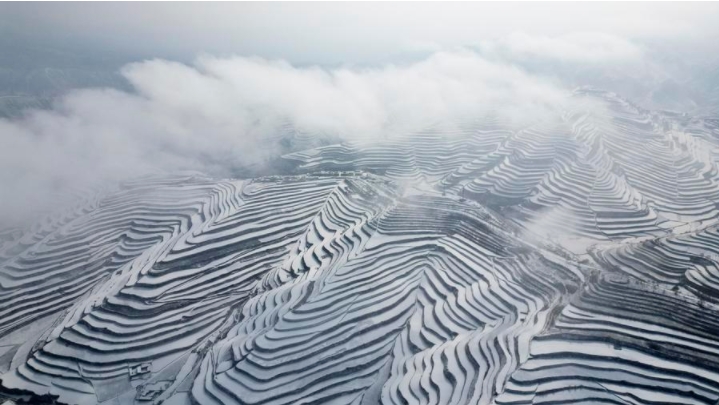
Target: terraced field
570,261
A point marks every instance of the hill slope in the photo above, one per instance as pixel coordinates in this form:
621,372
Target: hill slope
571,261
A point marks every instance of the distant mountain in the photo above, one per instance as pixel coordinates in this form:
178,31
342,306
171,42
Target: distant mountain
32,76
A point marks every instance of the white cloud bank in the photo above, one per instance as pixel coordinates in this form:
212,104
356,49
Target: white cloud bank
583,47
224,112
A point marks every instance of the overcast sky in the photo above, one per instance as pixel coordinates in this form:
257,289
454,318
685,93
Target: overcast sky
337,33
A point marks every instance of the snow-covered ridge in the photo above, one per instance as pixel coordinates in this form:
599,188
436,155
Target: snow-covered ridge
571,261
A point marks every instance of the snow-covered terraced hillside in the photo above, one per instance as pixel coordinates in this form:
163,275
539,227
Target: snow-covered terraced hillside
573,260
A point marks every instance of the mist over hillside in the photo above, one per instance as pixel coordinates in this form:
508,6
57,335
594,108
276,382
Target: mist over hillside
379,203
